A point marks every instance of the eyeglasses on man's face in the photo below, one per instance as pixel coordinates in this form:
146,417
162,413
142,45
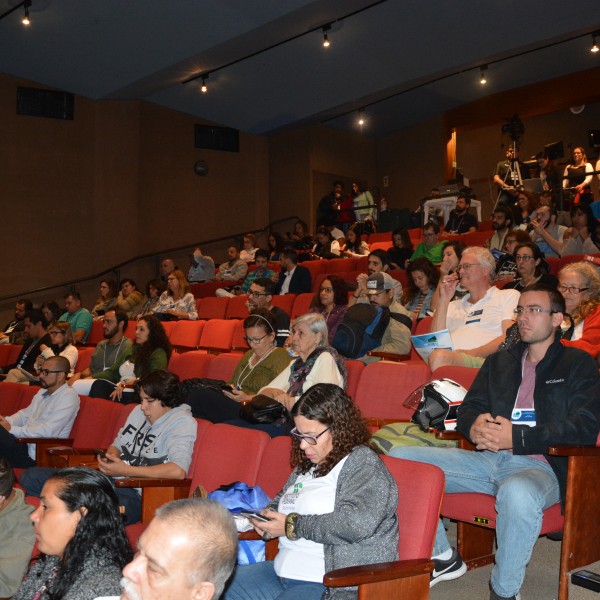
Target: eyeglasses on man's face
46,372
255,294
563,289
309,439
466,266
532,310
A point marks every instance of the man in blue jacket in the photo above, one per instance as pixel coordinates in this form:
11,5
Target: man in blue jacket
537,394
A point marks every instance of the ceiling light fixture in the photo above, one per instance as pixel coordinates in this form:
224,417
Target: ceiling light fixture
482,77
361,117
25,20
204,87
594,47
326,42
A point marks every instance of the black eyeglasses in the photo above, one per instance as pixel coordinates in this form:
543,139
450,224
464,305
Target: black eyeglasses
571,289
46,372
257,294
56,332
309,439
251,340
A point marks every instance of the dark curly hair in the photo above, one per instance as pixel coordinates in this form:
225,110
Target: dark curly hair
162,386
340,292
100,529
157,338
328,404
425,266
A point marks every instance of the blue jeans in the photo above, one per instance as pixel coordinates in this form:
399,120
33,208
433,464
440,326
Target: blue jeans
523,487
260,582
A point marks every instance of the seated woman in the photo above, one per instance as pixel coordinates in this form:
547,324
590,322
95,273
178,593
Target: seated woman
326,246
61,336
531,268
401,250
354,244
81,537
450,259
249,248
260,365
274,246
154,289
582,237
331,301
337,509
506,267
579,284
300,239
316,363
176,302
151,351
107,298
52,311
422,282
130,299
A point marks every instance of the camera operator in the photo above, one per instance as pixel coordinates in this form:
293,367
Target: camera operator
506,176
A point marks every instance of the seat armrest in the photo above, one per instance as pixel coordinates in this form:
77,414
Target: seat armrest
271,546
574,450
390,356
463,442
41,445
149,482
363,574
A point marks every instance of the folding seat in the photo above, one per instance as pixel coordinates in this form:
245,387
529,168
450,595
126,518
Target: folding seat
315,266
96,334
355,368
212,308
238,343
217,335
223,366
285,302
362,264
385,246
318,280
185,335
340,265
401,276
376,238
189,365
206,289
236,308
275,469
301,305
14,397
84,358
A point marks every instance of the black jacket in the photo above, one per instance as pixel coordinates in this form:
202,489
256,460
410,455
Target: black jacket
301,282
566,401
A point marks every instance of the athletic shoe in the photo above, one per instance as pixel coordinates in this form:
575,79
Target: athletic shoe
494,596
445,570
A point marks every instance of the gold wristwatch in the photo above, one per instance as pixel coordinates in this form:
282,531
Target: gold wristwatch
290,526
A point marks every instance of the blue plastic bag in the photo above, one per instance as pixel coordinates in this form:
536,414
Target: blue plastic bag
239,496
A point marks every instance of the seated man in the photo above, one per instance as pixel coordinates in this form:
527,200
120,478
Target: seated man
537,394
261,259
294,278
16,532
460,221
478,321
396,338
546,234
202,269
115,349
13,332
78,318
430,248
260,296
378,263
233,269
195,542
502,223
50,414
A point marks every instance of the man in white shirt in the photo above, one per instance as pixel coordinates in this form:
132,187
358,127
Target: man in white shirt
478,322
51,414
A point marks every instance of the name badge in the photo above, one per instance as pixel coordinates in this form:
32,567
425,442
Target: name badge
523,416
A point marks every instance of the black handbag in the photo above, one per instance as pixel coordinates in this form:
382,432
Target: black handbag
262,410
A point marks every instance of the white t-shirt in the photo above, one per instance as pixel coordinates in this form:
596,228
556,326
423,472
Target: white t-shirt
303,559
473,325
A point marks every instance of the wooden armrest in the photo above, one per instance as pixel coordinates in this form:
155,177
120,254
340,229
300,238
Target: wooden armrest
574,450
271,547
351,576
463,442
389,356
149,482
67,441
376,422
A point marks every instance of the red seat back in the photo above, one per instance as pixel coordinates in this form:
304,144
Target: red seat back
385,246
355,369
94,424
212,308
185,335
238,341
223,366
236,309
275,466
463,375
217,335
301,305
190,364
96,333
285,302
14,397
340,265
84,358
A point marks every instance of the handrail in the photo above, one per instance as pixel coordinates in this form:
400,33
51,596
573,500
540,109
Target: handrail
116,268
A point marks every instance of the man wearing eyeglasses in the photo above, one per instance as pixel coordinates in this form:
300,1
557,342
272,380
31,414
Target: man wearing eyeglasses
536,394
260,295
477,322
50,414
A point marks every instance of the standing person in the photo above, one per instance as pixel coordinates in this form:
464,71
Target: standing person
582,237
402,249
294,278
560,387
176,302
337,509
77,317
13,331
107,298
578,176
422,282
202,268
506,178
364,208
81,536
430,248
549,173
502,223
329,206
331,301
130,299
531,268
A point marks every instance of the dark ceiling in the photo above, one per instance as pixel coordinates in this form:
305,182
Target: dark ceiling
422,55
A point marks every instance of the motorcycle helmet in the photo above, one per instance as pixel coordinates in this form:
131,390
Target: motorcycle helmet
436,404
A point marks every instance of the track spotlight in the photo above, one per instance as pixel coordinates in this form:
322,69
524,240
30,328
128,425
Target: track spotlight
204,87
25,20
326,42
361,117
594,47
482,77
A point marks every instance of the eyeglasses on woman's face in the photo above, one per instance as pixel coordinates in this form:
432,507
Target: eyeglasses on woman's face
524,257
572,289
309,439
255,340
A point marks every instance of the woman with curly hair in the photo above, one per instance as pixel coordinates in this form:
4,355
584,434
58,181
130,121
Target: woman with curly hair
337,509
151,351
81,536
422,281
177,301
579,284
331,301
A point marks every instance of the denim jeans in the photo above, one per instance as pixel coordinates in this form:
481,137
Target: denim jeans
260,582
523,487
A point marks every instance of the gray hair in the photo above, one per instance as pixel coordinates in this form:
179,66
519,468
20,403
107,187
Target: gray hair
212,531
316,323
485,259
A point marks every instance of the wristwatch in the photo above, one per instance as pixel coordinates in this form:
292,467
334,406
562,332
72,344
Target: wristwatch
291,522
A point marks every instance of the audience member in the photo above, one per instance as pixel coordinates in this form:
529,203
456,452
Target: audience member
61,344
294,278
331,301
35,330
355,246
176,302
202,268
502,223
430,248
16,532
325,246
402,249
423,278
328,207
579,284
260,296
364,210
130,299
259,366
563,217
167,266
51,311
151,352
14,332
531,268
578,176
337,234
338,482
81,537
195,542
378,263
506,267
154,290
274,246
111,352
549,174
460,221
249,248
451,257
300,238
262,271
478,322
506,178
77,317
233,269
107,298
560,387
524,211
582,237
50,414
546,233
